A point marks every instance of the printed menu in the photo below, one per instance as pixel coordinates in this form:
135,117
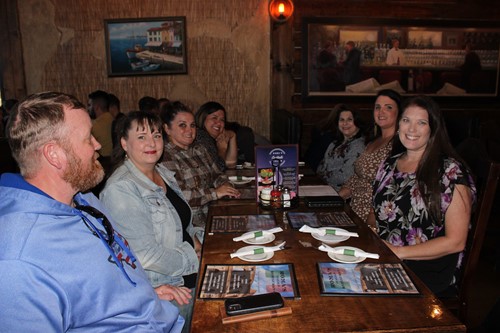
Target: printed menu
364,279
319,219
241,223
224,281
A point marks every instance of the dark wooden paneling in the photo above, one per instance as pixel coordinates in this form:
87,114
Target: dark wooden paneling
11,64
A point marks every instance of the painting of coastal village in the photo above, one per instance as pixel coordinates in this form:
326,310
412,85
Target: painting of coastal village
146,46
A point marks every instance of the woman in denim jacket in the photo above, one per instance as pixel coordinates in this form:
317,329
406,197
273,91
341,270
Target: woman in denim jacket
144,199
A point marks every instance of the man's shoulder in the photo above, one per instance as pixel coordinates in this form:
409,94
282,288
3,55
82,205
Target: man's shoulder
106,119
27,220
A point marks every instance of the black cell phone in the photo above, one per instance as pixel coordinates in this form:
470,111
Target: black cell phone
254,303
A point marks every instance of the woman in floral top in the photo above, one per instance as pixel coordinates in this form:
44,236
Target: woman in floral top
337,164
359,187
422,196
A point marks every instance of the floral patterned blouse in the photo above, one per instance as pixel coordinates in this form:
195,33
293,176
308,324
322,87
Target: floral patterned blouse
360,184
403,219
336,167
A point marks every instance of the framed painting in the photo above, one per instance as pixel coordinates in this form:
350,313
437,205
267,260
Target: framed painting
359,57
146,46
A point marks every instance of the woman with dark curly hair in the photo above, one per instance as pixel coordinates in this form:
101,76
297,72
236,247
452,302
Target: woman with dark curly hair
336,167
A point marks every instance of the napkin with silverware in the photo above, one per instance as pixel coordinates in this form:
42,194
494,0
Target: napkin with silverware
257,234
259,250
326,231
348,252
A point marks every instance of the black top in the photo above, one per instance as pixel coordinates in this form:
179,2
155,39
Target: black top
184,212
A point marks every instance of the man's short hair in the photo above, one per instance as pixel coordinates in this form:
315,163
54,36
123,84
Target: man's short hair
148,103
100,98
34,122
113,101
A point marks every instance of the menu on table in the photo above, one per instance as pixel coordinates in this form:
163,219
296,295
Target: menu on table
364,279
225,281
319,219
277,165
241,223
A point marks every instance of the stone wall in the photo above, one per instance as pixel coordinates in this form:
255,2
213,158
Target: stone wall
228,47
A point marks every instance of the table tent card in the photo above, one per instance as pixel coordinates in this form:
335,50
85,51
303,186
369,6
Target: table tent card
277,165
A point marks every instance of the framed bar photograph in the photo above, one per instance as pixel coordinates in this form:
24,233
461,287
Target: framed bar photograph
353,57
146,46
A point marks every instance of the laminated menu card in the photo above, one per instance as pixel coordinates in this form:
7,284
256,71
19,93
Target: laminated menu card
224,281
319,219
241,223
364,279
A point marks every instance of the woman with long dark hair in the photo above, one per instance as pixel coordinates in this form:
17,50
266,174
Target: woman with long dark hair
196,172
359,187
212,133
423,196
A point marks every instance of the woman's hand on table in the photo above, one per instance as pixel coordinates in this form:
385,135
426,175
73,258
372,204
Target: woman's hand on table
227,189
181,295
345,192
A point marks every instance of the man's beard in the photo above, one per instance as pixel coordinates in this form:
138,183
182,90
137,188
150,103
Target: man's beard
81,176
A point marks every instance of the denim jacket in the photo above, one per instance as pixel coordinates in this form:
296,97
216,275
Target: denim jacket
150,223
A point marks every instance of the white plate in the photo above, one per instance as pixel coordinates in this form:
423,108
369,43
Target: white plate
346,259
248,166
243,180
255,257
330,239
267,237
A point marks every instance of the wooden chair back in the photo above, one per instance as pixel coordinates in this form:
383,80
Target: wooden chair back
481,216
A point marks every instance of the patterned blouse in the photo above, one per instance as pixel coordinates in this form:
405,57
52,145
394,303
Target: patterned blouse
197,175
403,219
336,167
360,184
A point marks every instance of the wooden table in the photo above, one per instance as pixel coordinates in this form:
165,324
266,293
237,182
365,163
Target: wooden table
312,312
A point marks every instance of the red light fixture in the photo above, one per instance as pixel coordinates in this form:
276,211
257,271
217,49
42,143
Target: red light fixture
280,10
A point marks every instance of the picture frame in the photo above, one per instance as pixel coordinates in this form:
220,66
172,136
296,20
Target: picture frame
146,46
434,52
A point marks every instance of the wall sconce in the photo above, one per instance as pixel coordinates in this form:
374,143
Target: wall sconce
280,10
